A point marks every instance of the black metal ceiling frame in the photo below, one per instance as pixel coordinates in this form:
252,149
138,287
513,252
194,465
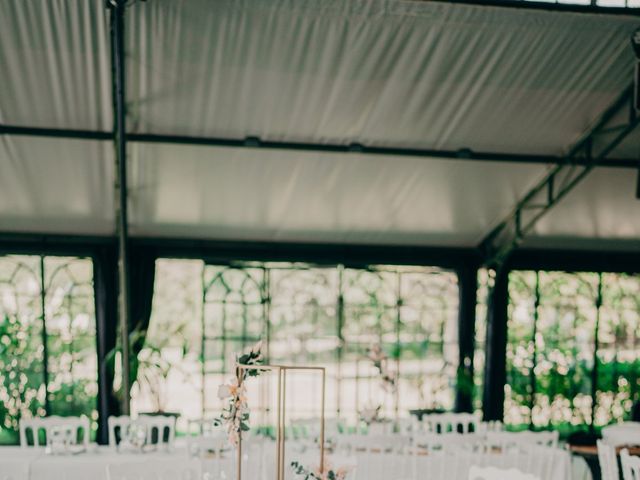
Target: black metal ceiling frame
592,7
618,121
328,148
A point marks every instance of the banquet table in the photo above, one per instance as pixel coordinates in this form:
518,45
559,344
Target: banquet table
554,465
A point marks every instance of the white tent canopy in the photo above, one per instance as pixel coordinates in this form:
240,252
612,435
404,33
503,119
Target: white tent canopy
392,73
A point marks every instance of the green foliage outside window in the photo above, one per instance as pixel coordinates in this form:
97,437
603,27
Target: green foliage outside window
565,332
47,329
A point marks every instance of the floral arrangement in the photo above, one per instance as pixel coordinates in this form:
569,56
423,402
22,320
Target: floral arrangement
329,472
235,416
380,361
370,414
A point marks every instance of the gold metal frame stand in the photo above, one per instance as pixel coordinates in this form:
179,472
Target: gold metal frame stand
281,413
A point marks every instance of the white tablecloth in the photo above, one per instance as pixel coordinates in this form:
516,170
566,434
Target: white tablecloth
554,465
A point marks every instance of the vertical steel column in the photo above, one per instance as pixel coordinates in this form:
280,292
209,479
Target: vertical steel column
203,341
398,348
340,349
117,8
45,347
596,341
495,373
534,360
467,291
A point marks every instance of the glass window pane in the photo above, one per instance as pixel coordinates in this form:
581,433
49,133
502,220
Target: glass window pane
71,336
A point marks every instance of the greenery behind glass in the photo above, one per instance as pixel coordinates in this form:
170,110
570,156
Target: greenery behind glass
46,299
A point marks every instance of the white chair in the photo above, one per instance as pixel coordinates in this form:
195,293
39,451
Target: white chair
79,428
608,461
509,441
380,428
117,428
491,426
308,428
407,426
373,443
160,429
156,469
451,422
445,442
493,473
627,433
630,466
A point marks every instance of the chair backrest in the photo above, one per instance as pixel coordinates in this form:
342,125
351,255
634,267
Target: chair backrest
407,426
445,442
626,433
608,461
451,422
205,438
161,429
493,473
380,428
506,441
117,428
373,443
79,427
156,470
491,426
630,466
305,428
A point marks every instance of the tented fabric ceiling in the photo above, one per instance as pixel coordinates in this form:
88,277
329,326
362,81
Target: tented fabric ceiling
56,185
388,73
424,74
232,193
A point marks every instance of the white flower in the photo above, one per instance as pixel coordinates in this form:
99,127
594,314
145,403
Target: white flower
257,347
224,392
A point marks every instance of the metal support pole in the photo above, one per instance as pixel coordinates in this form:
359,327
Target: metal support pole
467,288
117,8
45,343
495,374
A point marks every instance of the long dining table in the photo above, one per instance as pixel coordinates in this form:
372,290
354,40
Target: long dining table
35,464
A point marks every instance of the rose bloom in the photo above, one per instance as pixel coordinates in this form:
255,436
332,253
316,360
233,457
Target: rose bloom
224,391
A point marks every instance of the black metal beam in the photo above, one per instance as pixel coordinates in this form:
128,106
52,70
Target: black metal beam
572,260
351,255
627,261
549,6
591,150
256,143
117,10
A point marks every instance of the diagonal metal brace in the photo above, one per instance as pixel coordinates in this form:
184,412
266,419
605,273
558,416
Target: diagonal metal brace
592,149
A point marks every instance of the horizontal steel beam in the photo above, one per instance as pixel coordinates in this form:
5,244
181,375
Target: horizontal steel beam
591,150
549,6
226,251
257,143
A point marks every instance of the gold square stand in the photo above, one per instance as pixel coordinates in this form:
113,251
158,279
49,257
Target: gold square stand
280,436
